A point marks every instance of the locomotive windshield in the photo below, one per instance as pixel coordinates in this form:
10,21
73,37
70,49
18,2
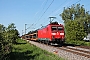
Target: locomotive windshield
60,28
56,28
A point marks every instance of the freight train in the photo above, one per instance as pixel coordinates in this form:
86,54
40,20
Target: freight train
53,33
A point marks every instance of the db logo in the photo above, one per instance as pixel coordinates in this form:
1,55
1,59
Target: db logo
57,33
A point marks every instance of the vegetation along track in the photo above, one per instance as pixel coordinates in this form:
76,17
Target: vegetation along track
68,52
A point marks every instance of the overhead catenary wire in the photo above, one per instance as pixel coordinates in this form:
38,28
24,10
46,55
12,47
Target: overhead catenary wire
56,8
77,1
42,6
55,11
67,4
30,26
45,5
62,6
38,12
45,11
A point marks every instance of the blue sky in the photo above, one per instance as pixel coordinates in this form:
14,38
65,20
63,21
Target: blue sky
34,12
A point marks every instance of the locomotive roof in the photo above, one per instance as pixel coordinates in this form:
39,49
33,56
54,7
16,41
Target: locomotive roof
53,23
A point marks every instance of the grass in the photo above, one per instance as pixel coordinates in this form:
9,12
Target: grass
78,42
26,51
87,43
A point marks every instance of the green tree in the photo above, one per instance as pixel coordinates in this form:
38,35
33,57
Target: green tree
4,43
89,28
8,36
76,21
12,32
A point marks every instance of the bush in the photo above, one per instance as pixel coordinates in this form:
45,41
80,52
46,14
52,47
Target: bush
7,37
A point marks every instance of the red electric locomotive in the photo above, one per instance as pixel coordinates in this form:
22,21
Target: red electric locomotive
52,33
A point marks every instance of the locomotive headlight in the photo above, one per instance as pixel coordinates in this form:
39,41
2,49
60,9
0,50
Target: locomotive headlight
61,33
53,33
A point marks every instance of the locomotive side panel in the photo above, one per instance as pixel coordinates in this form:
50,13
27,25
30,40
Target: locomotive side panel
43,34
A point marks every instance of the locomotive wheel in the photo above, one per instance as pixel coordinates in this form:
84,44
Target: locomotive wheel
47,42
40,41
61,44
43,41
51,43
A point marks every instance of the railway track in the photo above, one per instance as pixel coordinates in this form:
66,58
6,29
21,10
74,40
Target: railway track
82,51
68,52
86,47
78,51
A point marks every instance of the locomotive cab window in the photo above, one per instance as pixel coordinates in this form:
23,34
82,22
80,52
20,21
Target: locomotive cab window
60,28
53,28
